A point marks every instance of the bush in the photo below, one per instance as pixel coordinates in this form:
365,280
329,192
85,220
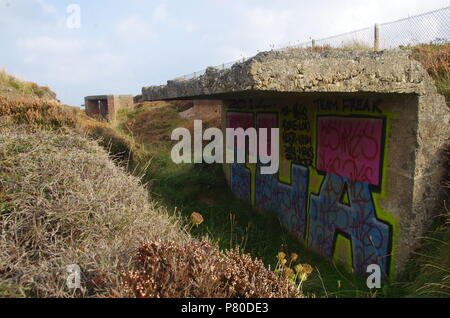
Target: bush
435,59
36,113
199,269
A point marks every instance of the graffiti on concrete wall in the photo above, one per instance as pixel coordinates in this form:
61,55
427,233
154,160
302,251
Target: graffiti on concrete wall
350,147
333,153
240,174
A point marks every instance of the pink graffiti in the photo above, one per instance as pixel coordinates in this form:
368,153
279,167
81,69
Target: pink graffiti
240,120
351,147
267,121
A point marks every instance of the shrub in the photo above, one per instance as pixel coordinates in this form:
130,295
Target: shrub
199,269
435,59
35,112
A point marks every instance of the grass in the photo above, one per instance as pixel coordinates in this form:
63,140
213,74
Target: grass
63,201
430,267
232,223
435,59
10,85
38,113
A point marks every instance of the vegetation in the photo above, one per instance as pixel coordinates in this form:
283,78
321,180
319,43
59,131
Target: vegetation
10,85
429,269
63,201
198,269
37,113
435,59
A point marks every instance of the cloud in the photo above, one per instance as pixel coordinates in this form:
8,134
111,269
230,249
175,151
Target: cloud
260,25
47,45
189,27
48,8
134,28
160,13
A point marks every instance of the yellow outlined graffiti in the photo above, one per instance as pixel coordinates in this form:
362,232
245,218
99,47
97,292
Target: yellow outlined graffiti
316,178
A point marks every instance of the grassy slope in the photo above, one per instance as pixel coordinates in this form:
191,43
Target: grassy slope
12,86
64,201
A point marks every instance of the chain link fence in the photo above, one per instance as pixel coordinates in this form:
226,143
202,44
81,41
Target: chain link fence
428,28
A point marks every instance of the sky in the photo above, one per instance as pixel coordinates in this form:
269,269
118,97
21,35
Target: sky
120,46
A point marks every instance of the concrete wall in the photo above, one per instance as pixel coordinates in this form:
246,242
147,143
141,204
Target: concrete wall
350,184
111,103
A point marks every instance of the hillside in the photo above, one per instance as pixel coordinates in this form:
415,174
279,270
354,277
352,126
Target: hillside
11,86
65,200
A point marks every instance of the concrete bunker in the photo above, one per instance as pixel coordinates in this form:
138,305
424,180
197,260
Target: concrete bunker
362,138
106,106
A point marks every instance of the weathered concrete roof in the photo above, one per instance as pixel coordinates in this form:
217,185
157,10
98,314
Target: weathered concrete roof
107,96
299,70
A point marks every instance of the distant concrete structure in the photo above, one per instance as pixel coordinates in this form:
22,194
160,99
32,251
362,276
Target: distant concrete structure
362,147
106,106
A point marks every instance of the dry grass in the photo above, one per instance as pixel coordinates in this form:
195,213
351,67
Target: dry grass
118,147
431,264
200,270
153,124
436,60
62,202
36,112
430,267
12,86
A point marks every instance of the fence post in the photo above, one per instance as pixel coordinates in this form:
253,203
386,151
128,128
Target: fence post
376,37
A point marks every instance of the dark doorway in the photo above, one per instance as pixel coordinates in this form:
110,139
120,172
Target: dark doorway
103,107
